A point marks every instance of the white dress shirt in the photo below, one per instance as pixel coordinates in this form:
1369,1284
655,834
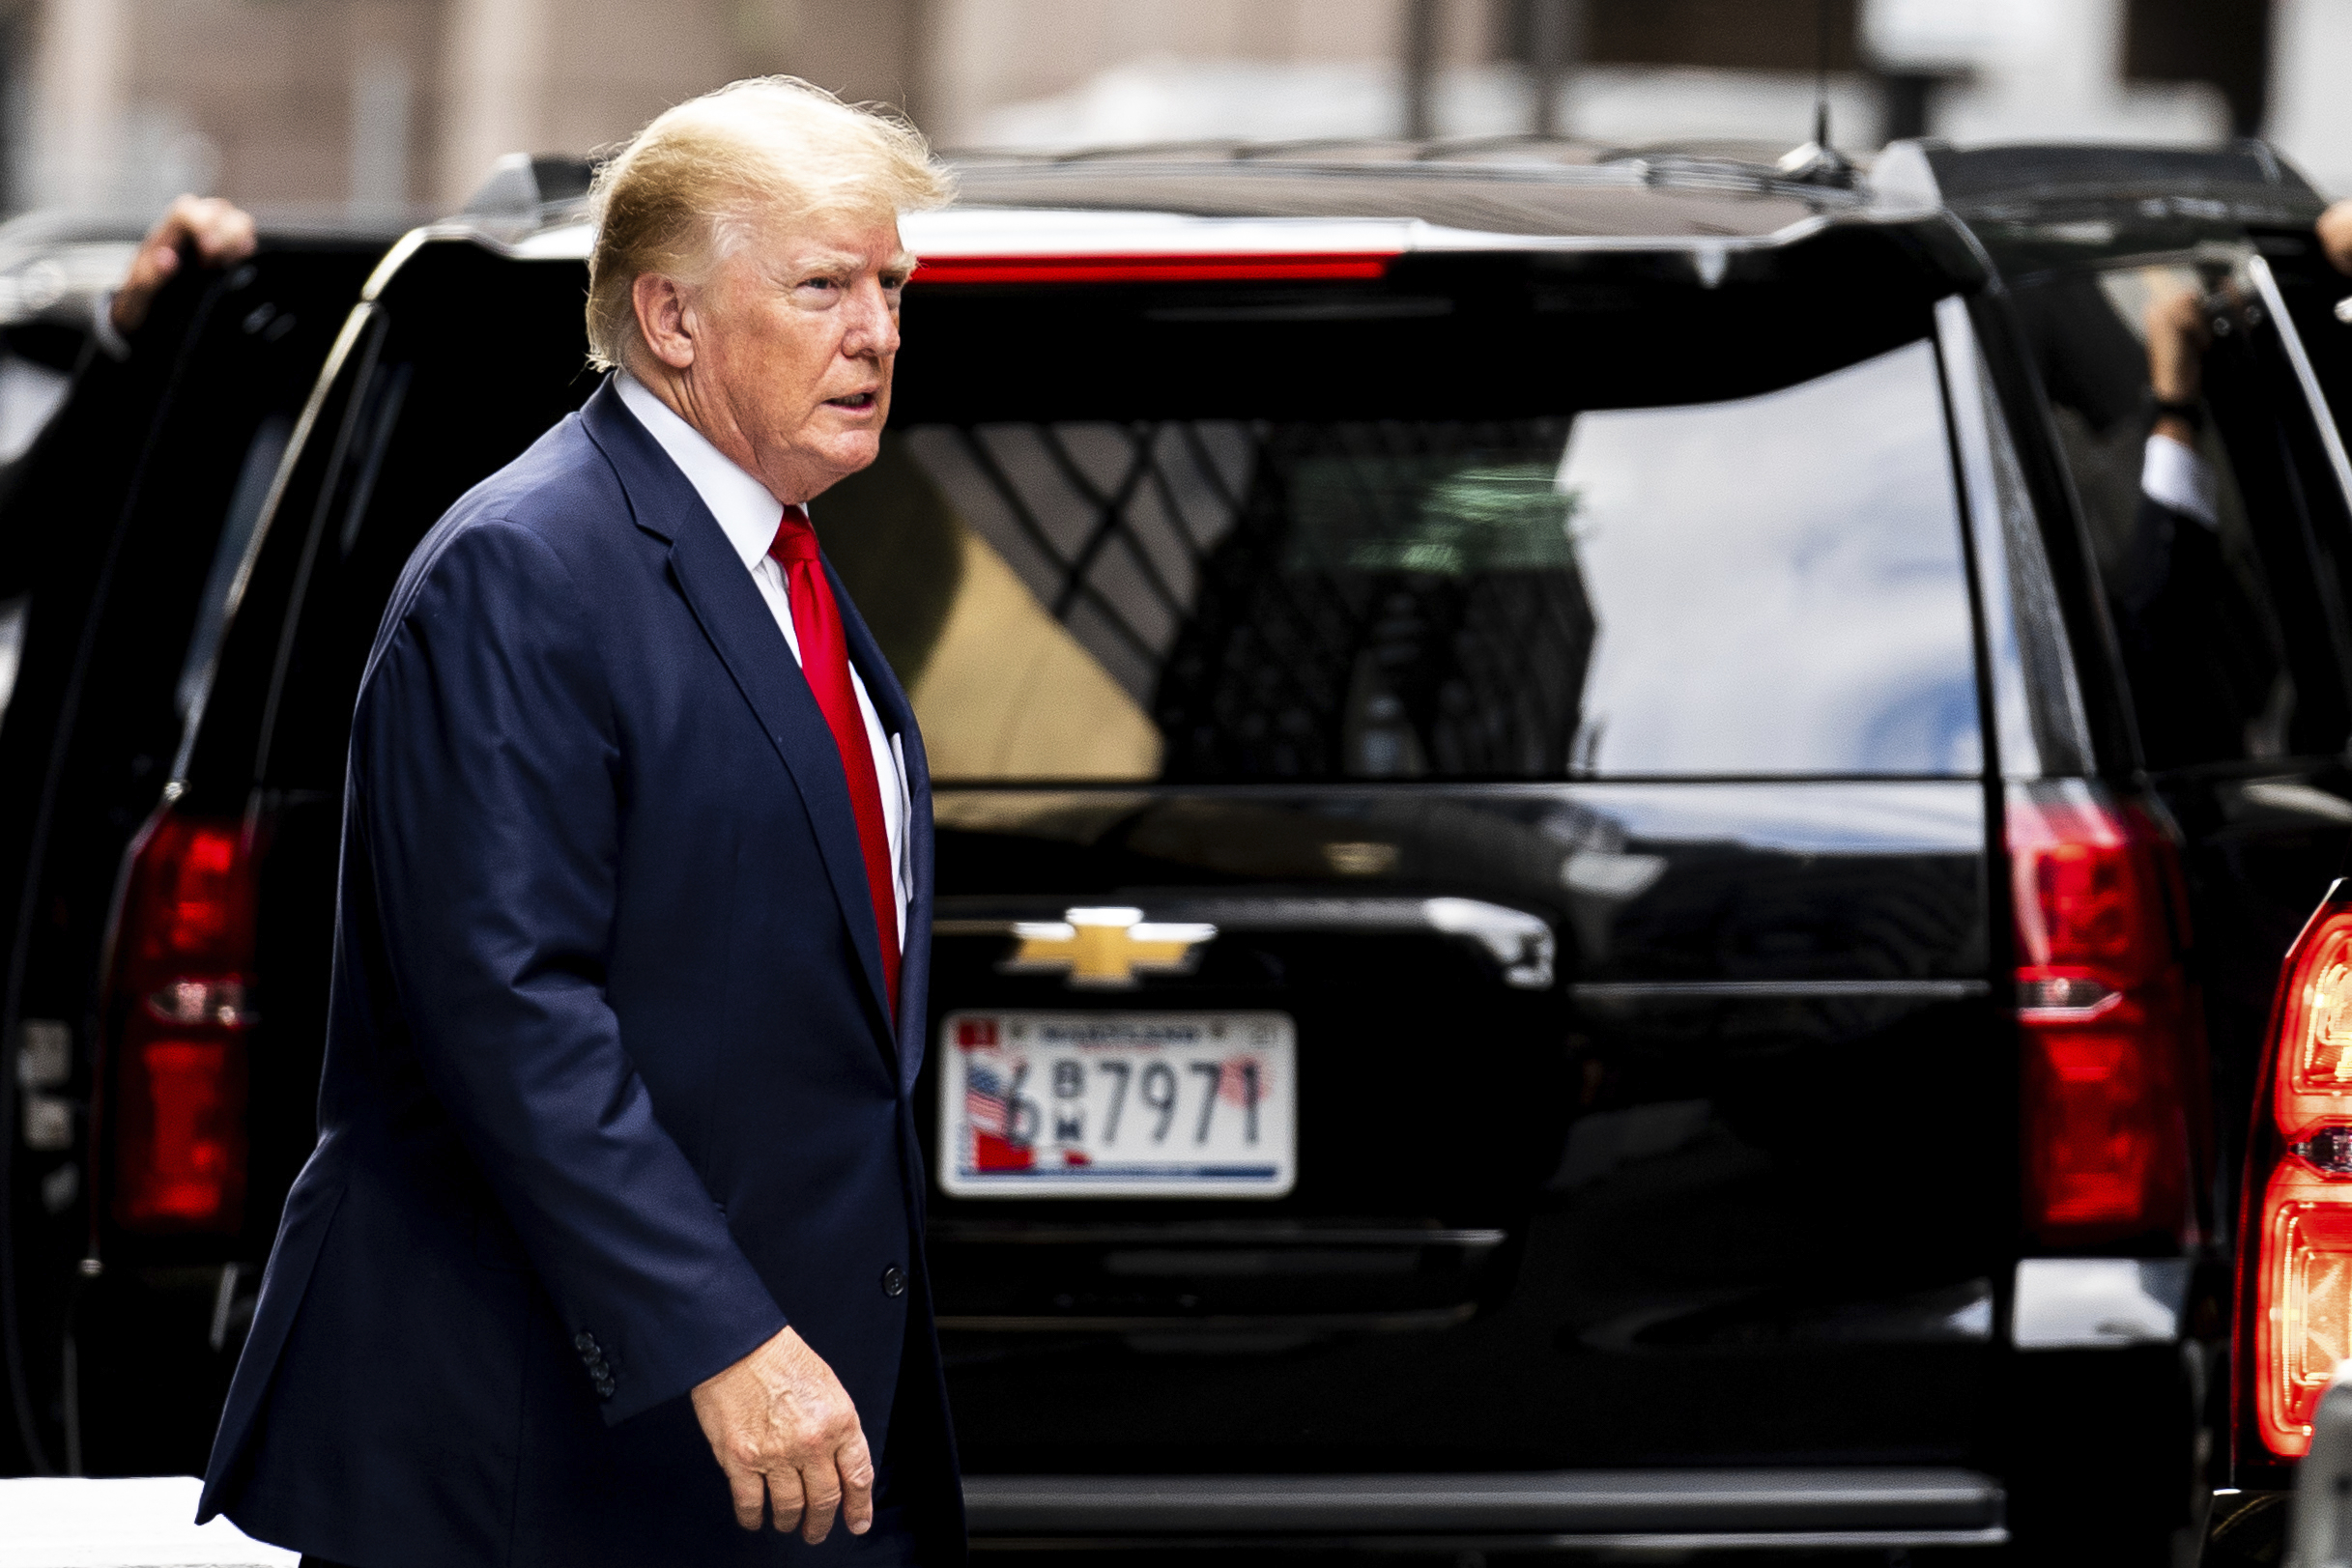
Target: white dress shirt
748,516
2174,475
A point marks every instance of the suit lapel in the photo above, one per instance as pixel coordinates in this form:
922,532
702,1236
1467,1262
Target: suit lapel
727,602
898,715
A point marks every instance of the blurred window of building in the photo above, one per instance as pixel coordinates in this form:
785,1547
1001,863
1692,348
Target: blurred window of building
1723,35
382,93
1637,73
2225,42
2309,113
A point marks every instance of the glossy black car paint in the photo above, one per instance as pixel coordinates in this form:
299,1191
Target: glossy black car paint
1657,1160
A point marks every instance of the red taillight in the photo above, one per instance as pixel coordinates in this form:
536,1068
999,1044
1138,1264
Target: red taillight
2113,1044
2303,1274
1174,267
178,1004
2314,1064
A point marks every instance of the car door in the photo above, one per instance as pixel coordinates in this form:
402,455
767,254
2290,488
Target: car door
2231,625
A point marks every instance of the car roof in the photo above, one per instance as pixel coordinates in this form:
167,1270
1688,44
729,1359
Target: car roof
1513,188
2028,174
1510,192
2036,205
1325,196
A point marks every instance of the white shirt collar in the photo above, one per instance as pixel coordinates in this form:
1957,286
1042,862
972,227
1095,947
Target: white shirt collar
747,515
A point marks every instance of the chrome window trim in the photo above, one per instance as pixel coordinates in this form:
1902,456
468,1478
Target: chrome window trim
1706,1506
2013,571
1793,990
1522,943
2257,268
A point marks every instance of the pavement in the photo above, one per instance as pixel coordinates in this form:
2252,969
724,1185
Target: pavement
147,1523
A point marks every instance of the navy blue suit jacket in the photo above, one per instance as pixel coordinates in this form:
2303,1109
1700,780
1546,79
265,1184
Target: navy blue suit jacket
612,1093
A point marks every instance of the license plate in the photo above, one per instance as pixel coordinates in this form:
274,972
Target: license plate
1118,1105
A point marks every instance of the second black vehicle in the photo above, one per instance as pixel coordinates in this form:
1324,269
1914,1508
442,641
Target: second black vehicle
127,499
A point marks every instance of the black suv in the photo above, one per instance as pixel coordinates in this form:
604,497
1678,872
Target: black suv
128,492
1559,924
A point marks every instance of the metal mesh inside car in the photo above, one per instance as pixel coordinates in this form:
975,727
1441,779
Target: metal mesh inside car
1727,587
1360,599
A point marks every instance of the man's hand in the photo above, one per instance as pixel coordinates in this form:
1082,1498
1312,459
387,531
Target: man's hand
2335,235
785,1432
219,233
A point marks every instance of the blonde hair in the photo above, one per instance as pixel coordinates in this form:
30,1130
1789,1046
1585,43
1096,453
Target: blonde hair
692,187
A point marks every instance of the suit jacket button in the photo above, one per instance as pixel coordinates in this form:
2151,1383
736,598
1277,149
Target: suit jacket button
894,1281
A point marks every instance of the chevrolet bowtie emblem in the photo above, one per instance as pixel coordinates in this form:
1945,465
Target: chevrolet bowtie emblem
1104,949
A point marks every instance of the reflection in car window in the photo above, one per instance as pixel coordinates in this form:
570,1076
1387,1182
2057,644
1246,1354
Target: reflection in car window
1779,582
30,395
1768,585
12,612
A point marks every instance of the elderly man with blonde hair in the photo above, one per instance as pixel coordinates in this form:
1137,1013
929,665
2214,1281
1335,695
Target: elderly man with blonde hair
611,1250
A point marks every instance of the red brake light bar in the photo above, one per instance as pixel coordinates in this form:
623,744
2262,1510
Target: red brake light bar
1170,267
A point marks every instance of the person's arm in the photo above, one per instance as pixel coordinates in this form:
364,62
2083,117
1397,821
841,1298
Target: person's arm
2173,472
215,231
2177,485
2177,340
482,767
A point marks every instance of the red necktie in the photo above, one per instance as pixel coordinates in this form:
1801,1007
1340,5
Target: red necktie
824,659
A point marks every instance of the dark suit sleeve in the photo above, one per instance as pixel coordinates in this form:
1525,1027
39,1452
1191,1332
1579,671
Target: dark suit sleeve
2197,645
484,764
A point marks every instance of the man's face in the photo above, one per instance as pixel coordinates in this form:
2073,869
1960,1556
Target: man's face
797,332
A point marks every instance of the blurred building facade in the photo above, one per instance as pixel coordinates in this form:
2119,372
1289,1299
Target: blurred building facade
388,105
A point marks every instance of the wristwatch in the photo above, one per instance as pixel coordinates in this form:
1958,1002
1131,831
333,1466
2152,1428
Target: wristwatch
2190,414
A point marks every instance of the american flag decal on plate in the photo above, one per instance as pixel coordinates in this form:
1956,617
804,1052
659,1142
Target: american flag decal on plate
1118,1105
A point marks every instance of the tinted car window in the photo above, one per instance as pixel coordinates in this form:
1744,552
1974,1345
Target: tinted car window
1503,517
253,477
1756,584
2225,629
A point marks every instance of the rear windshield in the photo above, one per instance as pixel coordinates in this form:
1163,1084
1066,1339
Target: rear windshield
1768,583
1485,519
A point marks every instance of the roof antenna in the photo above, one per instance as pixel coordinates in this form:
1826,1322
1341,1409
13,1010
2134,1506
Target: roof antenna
1821,74
1817,162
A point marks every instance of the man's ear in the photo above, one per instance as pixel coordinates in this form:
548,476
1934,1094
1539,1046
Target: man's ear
664,319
